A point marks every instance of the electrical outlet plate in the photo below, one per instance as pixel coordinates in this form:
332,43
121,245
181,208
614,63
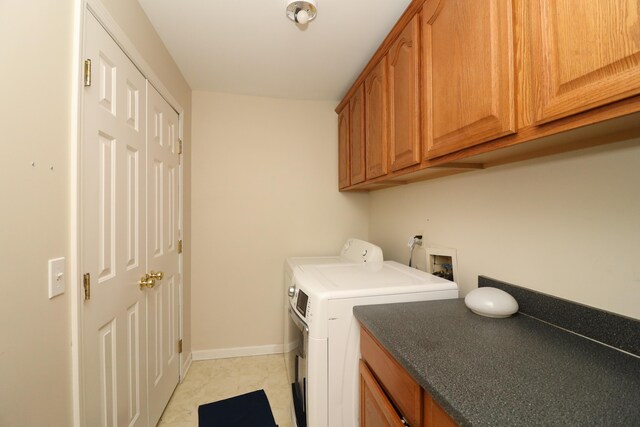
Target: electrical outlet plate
56,277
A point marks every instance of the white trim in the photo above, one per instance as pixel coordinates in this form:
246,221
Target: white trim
75,294
287,347
223,353
185,367
183,362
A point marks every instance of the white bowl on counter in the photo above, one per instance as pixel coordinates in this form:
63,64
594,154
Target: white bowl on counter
491,302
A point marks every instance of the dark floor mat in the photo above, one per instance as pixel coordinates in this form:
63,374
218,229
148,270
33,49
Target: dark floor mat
247,410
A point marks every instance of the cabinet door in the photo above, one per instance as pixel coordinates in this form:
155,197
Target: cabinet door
356,136
468,73
343,148
376,120
404,97
585,54
400,387
375,408
434,415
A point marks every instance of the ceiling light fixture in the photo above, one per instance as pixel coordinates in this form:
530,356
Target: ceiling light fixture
302,11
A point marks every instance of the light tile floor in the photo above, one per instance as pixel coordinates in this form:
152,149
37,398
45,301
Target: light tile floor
211,380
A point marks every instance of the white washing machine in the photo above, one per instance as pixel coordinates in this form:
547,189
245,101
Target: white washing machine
322,337
354,251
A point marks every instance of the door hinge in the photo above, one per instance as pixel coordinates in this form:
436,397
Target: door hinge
179,246
87,72
179,146
86,284
180,346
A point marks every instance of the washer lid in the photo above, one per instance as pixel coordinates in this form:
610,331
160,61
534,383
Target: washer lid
320,260
354,251
389,277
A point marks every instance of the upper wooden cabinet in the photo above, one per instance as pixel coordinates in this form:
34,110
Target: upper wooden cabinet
356,136
468,73
585,54
460,85
343,148
404,97
376,120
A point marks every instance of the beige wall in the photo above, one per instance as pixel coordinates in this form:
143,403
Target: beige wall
264,188
35,112
567,225
36,59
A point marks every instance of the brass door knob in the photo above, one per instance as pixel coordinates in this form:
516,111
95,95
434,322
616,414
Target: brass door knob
147,281
156,275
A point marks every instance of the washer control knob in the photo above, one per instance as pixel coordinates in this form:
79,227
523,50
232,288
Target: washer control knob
291,291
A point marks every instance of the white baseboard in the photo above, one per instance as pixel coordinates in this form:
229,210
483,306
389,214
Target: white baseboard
223,353
185,366
290,346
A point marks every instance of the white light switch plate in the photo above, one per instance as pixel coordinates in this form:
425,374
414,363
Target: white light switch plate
56,277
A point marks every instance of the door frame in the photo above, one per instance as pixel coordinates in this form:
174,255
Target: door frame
95,7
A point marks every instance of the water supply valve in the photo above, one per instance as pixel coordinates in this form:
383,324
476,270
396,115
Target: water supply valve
412,243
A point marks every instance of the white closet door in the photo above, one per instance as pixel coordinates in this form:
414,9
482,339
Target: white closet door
163,162
113,235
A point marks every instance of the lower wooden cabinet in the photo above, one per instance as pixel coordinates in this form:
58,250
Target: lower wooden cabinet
402,390
375,407
388,394
434,415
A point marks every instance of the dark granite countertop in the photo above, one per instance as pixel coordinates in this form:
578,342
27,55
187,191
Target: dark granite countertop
517,371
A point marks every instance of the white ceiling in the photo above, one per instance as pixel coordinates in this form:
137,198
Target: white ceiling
250,47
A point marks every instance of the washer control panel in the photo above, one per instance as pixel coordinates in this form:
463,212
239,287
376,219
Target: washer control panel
356,250
301,303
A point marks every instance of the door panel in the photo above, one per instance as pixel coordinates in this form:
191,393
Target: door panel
376,120
130,216
468,74
113,241
344,174
163,160
356,136
404,105
375,408
586,54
